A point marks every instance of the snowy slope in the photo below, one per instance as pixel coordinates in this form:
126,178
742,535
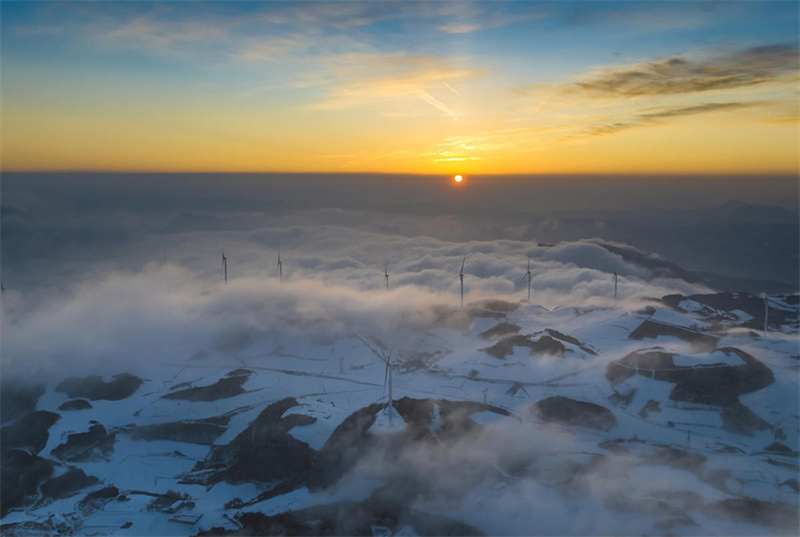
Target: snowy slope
484,432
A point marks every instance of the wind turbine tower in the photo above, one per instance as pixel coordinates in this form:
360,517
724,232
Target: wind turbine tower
225,267
528,275
461,276
280,264
386,275
391,399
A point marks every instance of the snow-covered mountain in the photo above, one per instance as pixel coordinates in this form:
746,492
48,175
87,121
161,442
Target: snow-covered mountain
677,417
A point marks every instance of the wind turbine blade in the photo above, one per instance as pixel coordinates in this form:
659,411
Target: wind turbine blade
523,278
462,263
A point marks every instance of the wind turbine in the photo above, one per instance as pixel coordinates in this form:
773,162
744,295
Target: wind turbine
225,267
386,275
528,275
461,276
379,350
616,277
388,374
280,264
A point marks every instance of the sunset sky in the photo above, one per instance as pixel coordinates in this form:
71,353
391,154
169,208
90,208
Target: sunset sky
405,87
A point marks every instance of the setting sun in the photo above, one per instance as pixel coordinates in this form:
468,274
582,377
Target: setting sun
458,178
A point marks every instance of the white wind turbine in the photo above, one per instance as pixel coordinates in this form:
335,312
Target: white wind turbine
280,264
527,275
224,267
461,277
379,350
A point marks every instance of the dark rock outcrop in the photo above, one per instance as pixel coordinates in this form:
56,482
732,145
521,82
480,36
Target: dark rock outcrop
75,404
651,406
347,518
571,412
18,399
29,432
712,385
738,419
222,389
352,440
94,444
499,330
21,474
678,459
95,388
718,306
95,500
651,329
782,518
67,484
544,345
203,432
265,452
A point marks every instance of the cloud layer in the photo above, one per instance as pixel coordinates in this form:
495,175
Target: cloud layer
777,63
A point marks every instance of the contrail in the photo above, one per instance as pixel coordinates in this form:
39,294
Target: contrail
430,99
451,88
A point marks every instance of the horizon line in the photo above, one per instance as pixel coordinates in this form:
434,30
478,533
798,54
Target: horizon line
788,174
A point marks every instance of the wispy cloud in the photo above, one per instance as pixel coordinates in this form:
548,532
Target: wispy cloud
458,28
469,17
353,79
679,75
270,49
657,116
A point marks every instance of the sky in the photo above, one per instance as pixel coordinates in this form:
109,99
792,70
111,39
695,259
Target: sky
401,87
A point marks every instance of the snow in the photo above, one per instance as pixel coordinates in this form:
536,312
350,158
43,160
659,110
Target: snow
665,316
332,379
387,421
715,358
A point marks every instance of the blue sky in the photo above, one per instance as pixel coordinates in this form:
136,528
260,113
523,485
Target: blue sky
374,86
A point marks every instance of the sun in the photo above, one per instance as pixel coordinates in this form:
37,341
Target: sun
458,178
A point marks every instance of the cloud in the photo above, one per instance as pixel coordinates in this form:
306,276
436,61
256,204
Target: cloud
755,66
333,287
272,48
163,36
352,79
458,28
657,117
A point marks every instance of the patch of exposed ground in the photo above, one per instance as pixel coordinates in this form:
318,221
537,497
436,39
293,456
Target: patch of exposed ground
204,432
374,516
543,345
568,411
67,484
652,329
718,385
18,399
92,445
30,432
264,452
499,330
21,474
782,518
95,388
224,388
75,404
